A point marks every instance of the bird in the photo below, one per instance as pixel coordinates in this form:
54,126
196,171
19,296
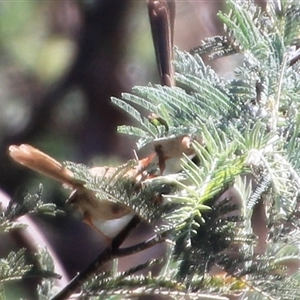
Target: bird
96,212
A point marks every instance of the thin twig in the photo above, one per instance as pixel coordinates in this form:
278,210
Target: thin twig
158,239
107,254
294,58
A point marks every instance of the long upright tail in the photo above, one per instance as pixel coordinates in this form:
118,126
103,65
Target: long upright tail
42,163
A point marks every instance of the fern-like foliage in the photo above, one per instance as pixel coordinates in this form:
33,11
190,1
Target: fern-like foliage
125,285
48,285
184,108
24,203
20,265
14,267
249,138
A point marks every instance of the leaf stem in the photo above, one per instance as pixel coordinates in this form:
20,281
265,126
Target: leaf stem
277,99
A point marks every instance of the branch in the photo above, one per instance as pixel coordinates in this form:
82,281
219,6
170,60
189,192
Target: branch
158,239
107,254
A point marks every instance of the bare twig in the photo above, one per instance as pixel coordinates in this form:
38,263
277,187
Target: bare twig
107,254
158,239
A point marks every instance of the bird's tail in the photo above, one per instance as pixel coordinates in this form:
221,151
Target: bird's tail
42,163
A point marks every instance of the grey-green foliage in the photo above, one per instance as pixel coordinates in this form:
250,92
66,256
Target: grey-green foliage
14,267
250,127
17,266
48,285
246,148
21,264
25,203
183,109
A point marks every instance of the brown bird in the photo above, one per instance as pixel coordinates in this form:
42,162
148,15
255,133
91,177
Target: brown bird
95,211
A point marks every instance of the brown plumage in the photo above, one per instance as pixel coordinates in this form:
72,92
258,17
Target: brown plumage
81,199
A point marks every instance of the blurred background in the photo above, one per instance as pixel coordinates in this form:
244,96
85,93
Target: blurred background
60,62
